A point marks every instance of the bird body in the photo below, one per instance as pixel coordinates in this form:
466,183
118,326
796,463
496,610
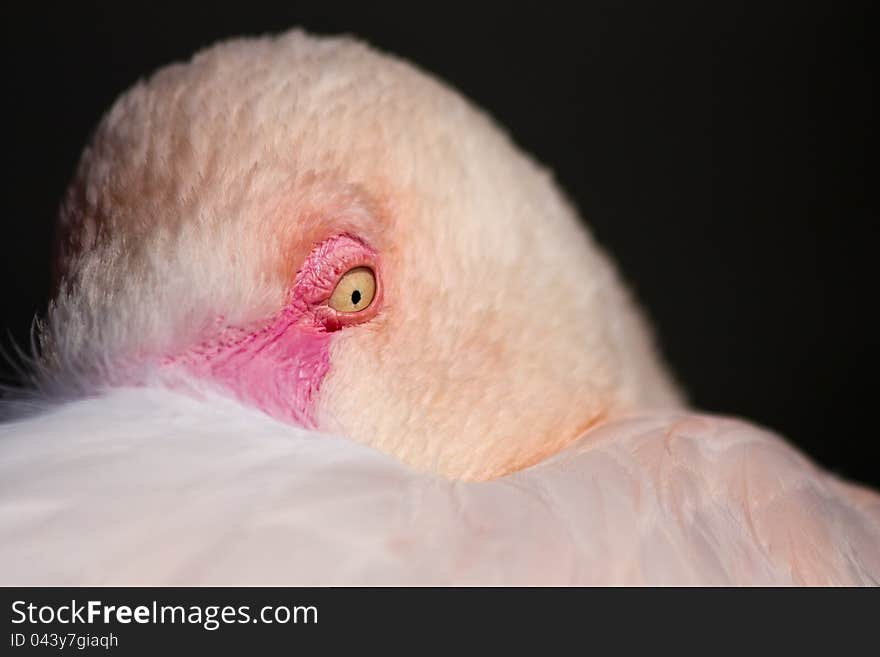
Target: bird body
318,320
147,486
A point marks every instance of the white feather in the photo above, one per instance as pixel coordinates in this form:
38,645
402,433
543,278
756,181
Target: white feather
145,486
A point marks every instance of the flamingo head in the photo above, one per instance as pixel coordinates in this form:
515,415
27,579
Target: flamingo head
333,237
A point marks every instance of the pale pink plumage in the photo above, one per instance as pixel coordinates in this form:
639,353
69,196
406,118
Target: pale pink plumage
207,225
149,487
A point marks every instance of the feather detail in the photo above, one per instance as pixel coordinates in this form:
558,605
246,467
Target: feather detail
145,486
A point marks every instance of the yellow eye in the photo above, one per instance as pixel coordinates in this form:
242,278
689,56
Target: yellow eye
354,291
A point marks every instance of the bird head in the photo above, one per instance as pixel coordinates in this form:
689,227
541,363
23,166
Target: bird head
338,239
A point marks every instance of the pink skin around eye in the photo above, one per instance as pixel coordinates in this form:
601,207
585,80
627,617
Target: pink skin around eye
279,367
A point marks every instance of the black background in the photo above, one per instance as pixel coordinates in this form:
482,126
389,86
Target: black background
721,151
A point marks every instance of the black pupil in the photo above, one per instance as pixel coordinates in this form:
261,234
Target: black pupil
356,297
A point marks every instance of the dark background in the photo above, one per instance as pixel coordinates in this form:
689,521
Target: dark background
721,153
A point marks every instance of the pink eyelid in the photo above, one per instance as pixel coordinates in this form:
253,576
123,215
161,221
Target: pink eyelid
319,275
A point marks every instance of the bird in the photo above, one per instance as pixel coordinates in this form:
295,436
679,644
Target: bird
319,320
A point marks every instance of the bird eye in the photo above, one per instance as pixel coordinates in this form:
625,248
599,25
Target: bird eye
354,291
